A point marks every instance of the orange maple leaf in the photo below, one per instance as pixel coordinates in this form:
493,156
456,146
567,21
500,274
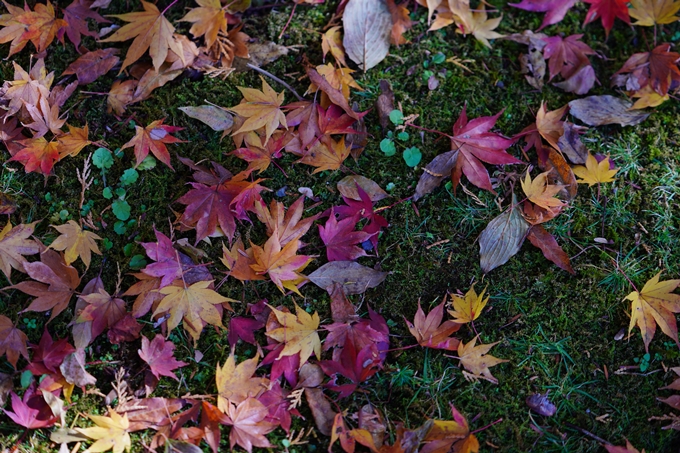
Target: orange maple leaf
71,143
280,263
42,25
208,20
236,383
325,157
38,155
153,138
150,30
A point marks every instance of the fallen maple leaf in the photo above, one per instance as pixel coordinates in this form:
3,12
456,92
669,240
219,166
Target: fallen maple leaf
150,30
111,433
324,156
12,341
71,143
208,20
262,109
627,449
430,332
607,11
289,225
341,239
101,311
658,68
236,383
41,25
331,41
363,208
555,9
153,138
27,416
76,242
121,94
92,65
477,24
655,304
14,244
249,425
450,435
541,193
298,332
477,361
45,118
467,309
654,12
38,155
356,365
471,144
282,264
48,355
595,172
194,305
159,355
239,260
54,285
76,16
566,55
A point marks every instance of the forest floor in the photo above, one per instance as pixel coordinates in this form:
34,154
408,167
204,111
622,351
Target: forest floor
557,331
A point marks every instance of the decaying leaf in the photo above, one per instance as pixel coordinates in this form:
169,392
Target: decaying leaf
218,119
606,109
502,238
353,277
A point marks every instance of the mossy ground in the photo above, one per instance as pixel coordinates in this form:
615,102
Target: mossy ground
563,340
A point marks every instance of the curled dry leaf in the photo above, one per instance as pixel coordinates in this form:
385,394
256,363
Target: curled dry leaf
601,110
352,277
502,238
368,26
541,405
218,119
348,188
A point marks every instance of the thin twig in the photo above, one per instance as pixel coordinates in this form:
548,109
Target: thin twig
587,433
273,77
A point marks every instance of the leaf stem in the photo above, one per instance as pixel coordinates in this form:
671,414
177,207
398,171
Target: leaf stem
273,77
487,426
168,7
288,23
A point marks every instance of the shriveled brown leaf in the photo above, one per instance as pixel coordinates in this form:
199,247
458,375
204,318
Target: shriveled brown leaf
606,109
352,276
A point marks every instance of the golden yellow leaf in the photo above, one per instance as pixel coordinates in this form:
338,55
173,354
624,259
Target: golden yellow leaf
655,304
331,41
540,192
594,172
76,242
325,157
654,12
648,97
150,30
467,309
261,109
298,332
71,143
476,360
236,383
110,433
194,305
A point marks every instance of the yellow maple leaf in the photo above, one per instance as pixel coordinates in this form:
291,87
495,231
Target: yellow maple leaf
110,433
477,24
331,41
477,361
235,383
193,305
150,30
261,109
76,242
298,332
540,192
594,172
648,97
655,304
654,12
208,20
340,79
467,309
325,157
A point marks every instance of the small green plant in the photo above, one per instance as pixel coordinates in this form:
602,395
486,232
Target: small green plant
412,154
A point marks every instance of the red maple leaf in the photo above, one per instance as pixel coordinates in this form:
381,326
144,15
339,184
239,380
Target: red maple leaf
471,144
555,9
27,416
658,68
167,265
566,55
244,329
102,310
76,15
277,403
153,138
357,367
54,285
211,419
48,355
212,209
341,239
158,354
37,155
607,11
364,209
12,341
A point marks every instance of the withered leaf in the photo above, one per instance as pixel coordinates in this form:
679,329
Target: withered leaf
502,238
606,109
352,276
368,26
